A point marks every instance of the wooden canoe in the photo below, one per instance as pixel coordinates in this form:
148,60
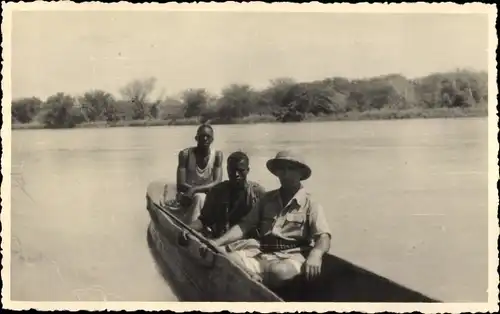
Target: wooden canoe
209,275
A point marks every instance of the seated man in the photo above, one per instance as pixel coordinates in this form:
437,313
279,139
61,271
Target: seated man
231,200
289,221
199,170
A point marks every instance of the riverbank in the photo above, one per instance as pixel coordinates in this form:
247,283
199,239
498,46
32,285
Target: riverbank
383,114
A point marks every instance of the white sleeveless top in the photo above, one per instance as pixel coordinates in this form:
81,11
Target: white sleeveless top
196,176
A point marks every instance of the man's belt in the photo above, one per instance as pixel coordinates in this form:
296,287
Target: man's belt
269,244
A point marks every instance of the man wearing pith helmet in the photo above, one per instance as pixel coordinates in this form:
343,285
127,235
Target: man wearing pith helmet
293,231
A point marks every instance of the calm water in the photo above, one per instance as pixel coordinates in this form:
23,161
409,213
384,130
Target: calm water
406,199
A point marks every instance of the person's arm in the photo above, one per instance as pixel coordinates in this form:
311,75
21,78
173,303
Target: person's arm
217,175
321,245
235,233
320,233
182,185
239,230
320,230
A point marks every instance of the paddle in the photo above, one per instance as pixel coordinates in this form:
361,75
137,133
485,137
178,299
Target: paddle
196,234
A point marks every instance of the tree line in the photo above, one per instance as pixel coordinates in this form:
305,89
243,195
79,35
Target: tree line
284,99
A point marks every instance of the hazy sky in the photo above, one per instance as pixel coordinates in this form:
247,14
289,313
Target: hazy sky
73,52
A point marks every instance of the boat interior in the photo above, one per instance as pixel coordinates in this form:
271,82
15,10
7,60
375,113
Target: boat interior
340,281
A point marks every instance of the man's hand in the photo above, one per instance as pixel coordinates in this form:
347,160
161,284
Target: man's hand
190,192
185,235
312,266
204,249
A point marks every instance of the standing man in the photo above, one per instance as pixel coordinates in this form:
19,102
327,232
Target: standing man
231,200
199,169
294,233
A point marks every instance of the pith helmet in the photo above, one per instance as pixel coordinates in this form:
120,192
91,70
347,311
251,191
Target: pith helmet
289,157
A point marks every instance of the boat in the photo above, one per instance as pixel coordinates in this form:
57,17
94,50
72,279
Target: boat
198,271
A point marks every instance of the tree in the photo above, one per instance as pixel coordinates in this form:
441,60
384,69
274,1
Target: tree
137,93
171,108
309,98
272,98
237,101
59,111
98,105
24,110
154,112
428,91
456,93
338,84
452,89
196,102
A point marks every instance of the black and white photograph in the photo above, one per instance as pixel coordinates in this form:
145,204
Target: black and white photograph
301,157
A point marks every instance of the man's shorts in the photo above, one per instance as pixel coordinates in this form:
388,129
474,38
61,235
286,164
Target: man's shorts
255,263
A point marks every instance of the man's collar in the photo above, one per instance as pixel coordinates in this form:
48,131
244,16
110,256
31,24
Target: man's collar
300,196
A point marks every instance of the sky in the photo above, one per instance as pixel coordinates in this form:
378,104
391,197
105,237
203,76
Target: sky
76,51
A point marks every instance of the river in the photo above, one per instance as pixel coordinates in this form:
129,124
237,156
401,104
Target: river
406,199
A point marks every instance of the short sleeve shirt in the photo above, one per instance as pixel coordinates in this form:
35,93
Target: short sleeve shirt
302,219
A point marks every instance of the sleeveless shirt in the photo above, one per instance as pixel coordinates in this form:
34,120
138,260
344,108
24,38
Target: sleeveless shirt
194,174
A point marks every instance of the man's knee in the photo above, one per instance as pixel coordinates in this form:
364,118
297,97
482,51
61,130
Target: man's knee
280,272
238,257
192,212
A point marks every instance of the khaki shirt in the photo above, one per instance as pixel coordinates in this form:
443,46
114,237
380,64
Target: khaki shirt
302,219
